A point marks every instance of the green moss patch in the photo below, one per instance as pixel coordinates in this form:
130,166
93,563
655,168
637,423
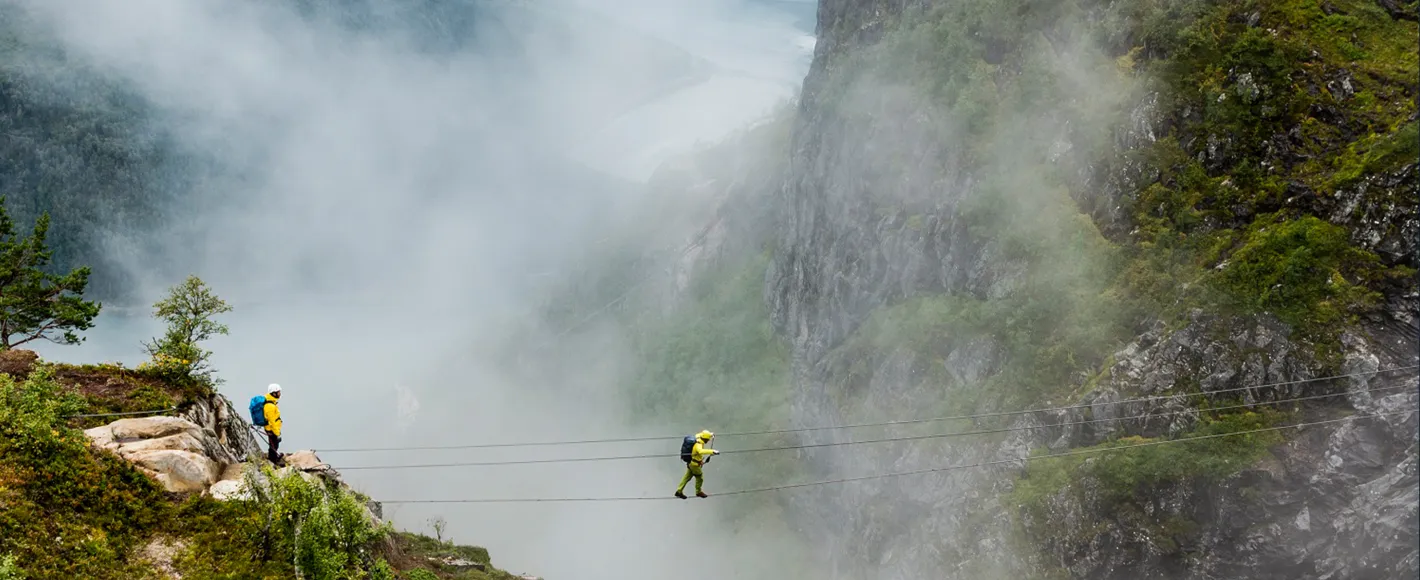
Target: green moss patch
1113,482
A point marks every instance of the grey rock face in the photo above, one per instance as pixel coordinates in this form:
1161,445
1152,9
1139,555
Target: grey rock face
1334,501
231,439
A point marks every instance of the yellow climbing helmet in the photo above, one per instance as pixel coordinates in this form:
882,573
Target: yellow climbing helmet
704,435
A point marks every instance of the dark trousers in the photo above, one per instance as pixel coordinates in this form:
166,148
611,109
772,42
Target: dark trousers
272,441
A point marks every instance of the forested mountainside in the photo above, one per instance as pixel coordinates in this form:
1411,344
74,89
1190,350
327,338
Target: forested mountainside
986,206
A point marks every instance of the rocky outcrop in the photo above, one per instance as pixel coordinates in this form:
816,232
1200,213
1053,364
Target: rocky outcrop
177,452
232,439
1335,501
204,450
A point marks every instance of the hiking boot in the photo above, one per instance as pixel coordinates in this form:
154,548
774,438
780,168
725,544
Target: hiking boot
680,495
701,494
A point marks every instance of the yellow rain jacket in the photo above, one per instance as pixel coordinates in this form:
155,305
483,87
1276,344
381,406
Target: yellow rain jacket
699,452
273,415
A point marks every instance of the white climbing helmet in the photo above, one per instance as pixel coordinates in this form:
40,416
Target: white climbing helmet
273,388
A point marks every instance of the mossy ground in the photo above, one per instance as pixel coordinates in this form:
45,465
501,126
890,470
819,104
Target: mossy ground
68,510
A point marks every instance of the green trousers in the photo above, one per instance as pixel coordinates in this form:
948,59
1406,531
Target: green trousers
692,470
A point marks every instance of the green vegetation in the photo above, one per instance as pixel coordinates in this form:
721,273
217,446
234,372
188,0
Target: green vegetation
66,511
427,558
35,304
71,511
1304,270
188,311
724,361
1340,80
1210,229
1120,482
9,570
327,531
113,388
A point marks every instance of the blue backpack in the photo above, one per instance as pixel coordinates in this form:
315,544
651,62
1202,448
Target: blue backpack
686,447
257,406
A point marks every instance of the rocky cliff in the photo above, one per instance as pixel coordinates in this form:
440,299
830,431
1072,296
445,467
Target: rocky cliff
1009,204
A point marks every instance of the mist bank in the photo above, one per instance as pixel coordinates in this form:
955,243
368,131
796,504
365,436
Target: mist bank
384,188
477,100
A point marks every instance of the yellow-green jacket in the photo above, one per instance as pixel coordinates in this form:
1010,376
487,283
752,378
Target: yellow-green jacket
273,415
699,452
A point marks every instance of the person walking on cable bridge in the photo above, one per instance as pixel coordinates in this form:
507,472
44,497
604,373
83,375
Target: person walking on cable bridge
694,451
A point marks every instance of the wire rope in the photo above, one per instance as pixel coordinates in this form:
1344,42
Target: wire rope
859,425
861,442
912,472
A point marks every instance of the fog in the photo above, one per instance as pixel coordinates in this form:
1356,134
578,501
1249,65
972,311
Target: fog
388,203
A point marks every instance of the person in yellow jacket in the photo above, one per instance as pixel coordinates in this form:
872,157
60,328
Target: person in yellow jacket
699,453
273,423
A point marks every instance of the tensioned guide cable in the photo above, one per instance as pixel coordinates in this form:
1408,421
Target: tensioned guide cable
865,441
905,473
859,425
149,412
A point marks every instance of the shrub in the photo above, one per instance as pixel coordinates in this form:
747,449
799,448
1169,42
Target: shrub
1304,270
9,570
325,530
188,312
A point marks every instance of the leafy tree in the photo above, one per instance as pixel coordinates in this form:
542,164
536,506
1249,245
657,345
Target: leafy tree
188,311
35,304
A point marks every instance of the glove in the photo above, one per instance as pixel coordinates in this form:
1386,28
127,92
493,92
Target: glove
715,453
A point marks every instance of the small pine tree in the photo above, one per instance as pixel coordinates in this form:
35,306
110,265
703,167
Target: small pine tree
35,304
188,311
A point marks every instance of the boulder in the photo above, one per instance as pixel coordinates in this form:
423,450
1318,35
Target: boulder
232,471
179,471
306,461
102,437
178,442
152,428
229,489
458,565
